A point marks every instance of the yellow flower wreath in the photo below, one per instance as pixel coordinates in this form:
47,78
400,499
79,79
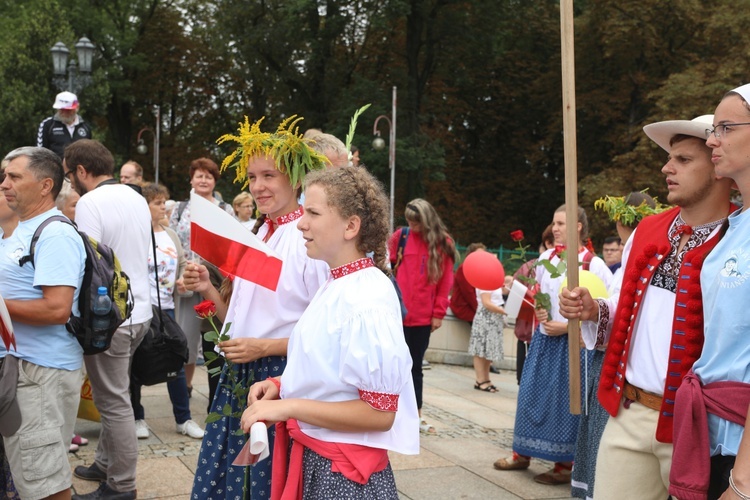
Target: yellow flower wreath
290,151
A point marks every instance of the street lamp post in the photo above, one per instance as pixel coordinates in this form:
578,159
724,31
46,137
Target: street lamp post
69,74
378,143
156,131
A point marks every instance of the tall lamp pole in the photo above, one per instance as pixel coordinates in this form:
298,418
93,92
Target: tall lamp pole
69,75
378,143
156,131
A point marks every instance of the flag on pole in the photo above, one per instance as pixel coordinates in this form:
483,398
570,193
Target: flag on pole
6,327
223,241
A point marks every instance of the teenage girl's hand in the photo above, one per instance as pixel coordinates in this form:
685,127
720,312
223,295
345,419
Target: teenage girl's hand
196,278
265,389
436,323
243,350
180,284
555,328
541,315
268,411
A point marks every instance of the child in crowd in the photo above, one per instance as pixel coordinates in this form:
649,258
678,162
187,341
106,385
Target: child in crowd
346,396
486,341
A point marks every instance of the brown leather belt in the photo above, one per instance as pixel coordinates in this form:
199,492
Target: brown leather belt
647,399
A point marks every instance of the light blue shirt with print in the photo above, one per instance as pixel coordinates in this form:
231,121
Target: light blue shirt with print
59,260
725,280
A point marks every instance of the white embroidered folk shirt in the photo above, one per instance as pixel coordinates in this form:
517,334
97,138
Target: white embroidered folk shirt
349,344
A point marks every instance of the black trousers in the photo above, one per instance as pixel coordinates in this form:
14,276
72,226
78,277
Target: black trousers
720,467
417,339
521,350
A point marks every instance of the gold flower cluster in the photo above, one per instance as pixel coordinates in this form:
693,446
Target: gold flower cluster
290,151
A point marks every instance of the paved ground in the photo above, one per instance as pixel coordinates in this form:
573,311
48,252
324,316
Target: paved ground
473,429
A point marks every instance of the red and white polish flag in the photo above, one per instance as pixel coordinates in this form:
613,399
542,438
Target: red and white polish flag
223,241
6,327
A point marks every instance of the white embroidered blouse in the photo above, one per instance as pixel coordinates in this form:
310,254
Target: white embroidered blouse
349,344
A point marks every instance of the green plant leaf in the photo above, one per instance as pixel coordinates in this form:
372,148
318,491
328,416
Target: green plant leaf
353,126
213,417
548,266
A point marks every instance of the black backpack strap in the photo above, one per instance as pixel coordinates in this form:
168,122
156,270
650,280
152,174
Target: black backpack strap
401,245
30,257
156,278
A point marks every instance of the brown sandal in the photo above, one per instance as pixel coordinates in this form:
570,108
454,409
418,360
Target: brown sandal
553,478
515,462
489,388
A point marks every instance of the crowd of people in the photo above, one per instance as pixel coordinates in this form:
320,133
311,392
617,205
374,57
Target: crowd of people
337,375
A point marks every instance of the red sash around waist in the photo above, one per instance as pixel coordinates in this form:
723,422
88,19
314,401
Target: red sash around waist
355,462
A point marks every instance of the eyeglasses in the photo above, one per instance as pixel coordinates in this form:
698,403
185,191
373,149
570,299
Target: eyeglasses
721,130
66,175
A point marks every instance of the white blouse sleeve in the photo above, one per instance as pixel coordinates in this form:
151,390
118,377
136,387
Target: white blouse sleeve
374,356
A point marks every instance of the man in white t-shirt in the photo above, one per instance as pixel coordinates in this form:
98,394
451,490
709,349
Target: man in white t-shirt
115,215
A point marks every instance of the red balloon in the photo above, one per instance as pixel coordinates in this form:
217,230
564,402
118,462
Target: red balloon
484,270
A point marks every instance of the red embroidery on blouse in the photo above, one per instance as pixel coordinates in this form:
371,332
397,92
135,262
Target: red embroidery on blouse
290,217
379,400
352,267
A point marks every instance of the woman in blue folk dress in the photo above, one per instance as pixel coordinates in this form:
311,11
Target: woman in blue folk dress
544,426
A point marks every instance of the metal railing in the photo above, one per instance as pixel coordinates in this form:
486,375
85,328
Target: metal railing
504,254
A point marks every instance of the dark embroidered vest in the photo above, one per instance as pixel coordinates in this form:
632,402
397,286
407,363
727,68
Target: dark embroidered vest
650,246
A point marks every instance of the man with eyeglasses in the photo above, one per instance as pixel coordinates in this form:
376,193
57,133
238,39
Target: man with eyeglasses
115,215
612,252
653,324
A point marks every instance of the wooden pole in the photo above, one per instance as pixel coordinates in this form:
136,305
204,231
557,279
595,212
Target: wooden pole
571,192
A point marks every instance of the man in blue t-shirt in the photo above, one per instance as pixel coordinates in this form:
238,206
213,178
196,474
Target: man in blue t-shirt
40,297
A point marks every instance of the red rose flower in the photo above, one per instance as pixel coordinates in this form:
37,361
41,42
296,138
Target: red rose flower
205,309
516,235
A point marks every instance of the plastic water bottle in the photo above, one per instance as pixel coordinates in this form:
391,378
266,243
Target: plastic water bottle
101,308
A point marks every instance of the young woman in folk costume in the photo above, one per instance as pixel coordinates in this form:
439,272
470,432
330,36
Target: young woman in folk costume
422,257
711,455
273,165
346,396
544,425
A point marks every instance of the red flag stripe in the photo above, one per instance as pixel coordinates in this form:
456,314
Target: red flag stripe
234,258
